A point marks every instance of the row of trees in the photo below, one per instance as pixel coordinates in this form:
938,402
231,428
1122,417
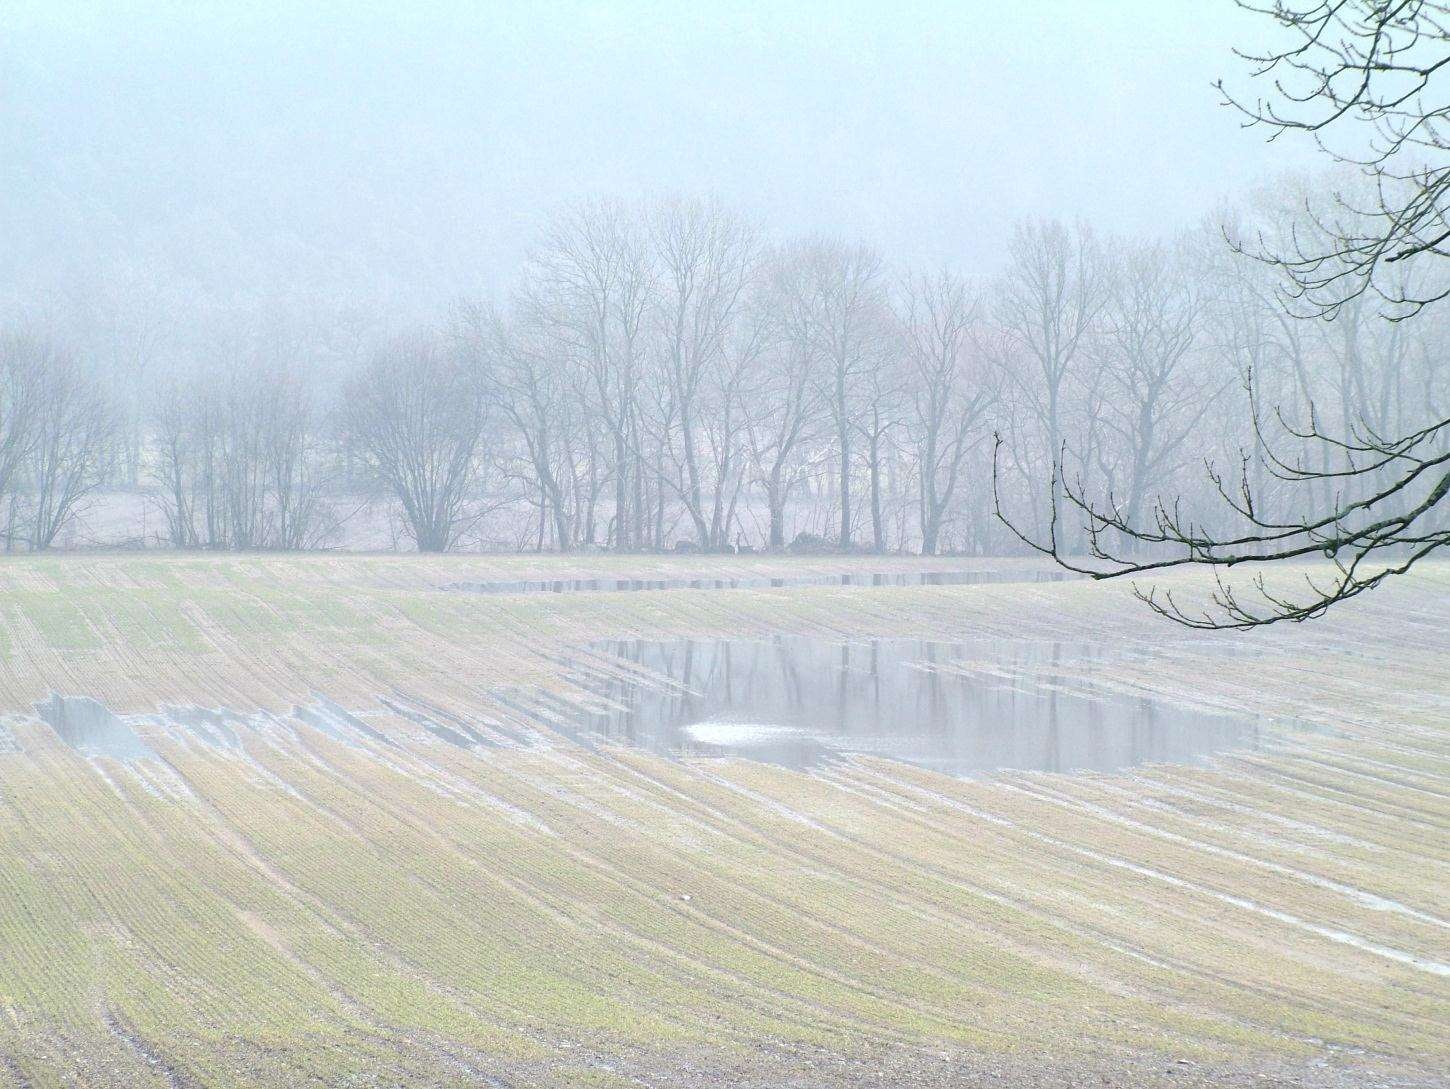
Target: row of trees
1360,78
665,374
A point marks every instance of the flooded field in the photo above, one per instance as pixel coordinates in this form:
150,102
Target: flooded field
410,837
962,708
870,578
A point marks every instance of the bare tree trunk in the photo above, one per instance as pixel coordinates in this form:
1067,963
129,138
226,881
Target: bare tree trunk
878,525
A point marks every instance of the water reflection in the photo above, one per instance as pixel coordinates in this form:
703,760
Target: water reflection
91,729
960,708
875,579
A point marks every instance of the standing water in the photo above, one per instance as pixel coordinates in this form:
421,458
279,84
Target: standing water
960,708
876,579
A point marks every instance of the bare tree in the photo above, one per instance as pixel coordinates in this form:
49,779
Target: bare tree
74,432
1360,77
950,388
417,412
240,457
177,467
845,312
1154,402
1048,306
593,281
707,259
880,416
296,473
526,380
781,413
23,363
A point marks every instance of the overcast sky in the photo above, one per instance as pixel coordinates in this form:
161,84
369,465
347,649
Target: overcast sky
413,146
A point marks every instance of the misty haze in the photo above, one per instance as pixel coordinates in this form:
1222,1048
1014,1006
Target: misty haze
625,544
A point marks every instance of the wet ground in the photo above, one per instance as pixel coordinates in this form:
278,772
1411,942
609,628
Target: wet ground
962,708
874,579
92,730
388,864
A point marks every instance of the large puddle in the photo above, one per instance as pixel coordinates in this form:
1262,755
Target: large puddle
91,729
876,579
961,708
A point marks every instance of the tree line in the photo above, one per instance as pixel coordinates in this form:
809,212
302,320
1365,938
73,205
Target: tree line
1359,78
666,375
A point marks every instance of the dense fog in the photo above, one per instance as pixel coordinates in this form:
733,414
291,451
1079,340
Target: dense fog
610,275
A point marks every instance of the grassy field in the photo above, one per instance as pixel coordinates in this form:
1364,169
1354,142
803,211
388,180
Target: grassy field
331,896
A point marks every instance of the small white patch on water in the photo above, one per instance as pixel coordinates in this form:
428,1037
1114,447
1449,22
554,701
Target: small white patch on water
741,733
